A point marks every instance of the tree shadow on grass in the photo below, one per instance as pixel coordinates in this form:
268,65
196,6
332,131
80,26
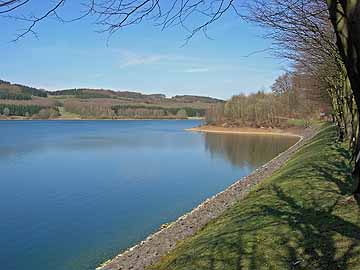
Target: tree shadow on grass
317,230
298,220
324,240
337,171
291,236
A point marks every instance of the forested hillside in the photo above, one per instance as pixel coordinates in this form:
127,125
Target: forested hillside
18,91
82,103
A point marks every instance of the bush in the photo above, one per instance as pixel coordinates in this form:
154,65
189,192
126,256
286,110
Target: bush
47,113
181,113
6,111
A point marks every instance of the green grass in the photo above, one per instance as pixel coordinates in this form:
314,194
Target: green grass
303,217
296,122
66,114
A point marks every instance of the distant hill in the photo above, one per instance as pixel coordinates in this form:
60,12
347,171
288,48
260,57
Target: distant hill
190,99
18,91
104,93
21,100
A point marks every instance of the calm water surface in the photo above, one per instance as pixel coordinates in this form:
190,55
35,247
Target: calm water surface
75,193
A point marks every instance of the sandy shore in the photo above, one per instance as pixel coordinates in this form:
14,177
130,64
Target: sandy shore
256,131
160,243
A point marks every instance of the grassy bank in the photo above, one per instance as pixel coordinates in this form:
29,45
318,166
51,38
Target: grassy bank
303,217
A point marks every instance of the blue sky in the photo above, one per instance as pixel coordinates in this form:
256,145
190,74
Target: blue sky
140,58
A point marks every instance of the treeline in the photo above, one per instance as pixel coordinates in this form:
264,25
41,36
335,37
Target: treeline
88,93
81,93
127,111
18,91
13,95
84,93
88,109
156,111
292,96
192,99
32,91
30,111
19,110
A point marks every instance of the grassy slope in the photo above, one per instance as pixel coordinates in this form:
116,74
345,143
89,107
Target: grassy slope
300,218
65,114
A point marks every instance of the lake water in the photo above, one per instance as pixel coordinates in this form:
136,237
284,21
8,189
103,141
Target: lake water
75,193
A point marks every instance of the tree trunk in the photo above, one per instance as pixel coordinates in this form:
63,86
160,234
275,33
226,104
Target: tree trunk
345,17
356,171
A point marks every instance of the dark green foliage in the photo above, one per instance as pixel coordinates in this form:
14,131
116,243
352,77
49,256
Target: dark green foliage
68,92
21,110
32,91
85,93
191,112
4,82
192,98
92,95
80,93
13,95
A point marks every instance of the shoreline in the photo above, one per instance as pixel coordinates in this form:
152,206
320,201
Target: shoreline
158,244
99,119
248,131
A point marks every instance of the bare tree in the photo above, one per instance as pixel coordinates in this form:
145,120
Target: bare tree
327,49
11,6
113,15
345,17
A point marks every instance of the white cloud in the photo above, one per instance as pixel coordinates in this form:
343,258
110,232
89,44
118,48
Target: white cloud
130,58
196,70
98,75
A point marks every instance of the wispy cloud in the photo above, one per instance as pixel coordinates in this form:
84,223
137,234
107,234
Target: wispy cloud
196,70
98,76
130,58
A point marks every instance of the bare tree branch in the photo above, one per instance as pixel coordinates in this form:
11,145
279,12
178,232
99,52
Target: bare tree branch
113,15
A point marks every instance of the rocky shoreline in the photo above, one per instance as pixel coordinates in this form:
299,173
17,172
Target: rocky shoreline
160,243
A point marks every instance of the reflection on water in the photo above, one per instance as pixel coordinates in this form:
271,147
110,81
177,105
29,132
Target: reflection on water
75,193
14,144
246,149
